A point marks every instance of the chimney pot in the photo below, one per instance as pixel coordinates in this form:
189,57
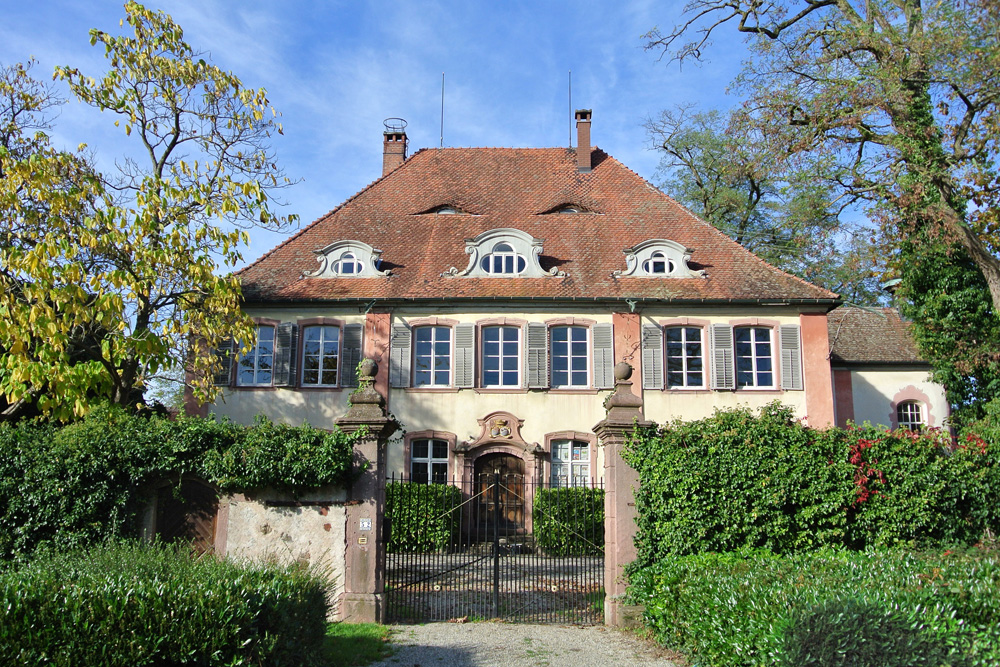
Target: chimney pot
394,144
583,162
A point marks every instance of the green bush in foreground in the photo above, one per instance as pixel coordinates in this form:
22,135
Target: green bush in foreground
826,608
425,517
76,485
569,522
132,604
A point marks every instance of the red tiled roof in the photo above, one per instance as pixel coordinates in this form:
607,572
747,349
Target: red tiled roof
514,187
870,335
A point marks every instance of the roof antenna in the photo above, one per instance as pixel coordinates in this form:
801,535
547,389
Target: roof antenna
571,108
442,110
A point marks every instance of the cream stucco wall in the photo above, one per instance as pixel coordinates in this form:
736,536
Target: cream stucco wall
309,534
877,390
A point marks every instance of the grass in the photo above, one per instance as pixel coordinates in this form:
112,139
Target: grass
354,644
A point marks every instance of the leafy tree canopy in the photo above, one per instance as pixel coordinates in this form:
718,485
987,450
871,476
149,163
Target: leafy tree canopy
105,278
726,172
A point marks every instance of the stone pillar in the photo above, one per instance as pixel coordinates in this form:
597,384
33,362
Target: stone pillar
624,414
364,585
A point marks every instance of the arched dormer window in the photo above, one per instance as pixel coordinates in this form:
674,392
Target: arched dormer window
347,259
657,264
658,258
503,260
568,207
503,253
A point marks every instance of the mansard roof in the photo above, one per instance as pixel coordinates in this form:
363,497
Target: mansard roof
523,189
871,336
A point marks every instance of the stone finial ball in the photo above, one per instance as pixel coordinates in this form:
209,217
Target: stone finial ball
623,371
368,368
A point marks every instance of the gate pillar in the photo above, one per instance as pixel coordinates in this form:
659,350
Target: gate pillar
364,577
624,413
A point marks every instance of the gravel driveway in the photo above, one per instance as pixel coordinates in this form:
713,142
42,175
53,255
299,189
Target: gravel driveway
510,645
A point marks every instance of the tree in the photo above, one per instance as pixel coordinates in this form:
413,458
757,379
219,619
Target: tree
132,256
790,219
901,95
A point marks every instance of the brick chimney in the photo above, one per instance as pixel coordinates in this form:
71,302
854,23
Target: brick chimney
583,140
393,144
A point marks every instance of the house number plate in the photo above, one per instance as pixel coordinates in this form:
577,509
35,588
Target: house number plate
366,524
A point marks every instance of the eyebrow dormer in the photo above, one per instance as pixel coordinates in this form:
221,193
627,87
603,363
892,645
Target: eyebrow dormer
503,253
568,207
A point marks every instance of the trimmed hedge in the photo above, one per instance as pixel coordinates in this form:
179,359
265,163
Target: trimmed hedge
569,522
739,480
131,603
76,485
874,608
425,517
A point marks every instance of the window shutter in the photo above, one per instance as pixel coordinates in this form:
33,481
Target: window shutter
285,336
399,356
652,357
465,355
224,352
538,355
791,357
723,357
604,356
350,355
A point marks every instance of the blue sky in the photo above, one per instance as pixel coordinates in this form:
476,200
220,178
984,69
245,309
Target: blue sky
335,70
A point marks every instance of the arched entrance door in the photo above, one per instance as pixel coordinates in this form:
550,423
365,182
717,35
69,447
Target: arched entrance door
500,489
188,514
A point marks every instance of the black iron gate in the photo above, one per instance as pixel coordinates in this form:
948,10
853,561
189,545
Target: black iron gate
500,546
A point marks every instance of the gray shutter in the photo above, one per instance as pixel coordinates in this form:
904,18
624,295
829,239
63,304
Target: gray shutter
791,357
399,356
224,352
285,336
652,356
723,359
538,355
604,356
350,355
465,355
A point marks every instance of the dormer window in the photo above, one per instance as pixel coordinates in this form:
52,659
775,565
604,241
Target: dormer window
347,259
503,260
348,265
503,253
568,209
446,210
658,264
658,258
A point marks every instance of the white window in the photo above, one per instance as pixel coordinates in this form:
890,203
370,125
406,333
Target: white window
570,356
685,357
501,356
320,356
503,260
429,461
348,265
754,360
432,357
658,264
910,415
256,368
570,463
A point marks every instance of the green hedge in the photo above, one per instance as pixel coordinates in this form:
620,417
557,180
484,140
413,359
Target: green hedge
738,480
422,517
569,522
874,608
75,485
136,604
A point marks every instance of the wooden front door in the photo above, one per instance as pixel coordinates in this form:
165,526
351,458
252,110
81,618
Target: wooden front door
188,515
500,485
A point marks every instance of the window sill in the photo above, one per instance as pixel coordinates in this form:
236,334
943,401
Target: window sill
501,390
247,387
583,391
311,389
687,390
430,390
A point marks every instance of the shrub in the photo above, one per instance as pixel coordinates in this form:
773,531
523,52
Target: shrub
739,480
425,517
78,484
758,608
569,522
137,604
